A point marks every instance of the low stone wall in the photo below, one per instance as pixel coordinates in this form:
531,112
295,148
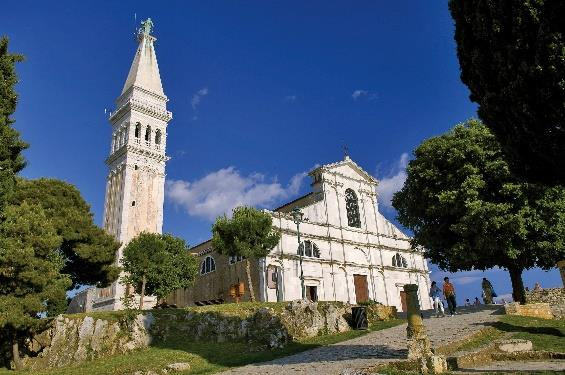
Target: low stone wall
260,327
555,297
81,337
534,310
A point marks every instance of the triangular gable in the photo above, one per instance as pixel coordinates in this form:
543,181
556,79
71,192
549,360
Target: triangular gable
349,164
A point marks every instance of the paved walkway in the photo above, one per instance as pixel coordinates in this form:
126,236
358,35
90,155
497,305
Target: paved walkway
367,350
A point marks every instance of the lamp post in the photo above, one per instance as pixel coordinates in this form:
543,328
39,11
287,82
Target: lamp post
297,217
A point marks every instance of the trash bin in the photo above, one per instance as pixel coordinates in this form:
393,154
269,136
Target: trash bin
359,316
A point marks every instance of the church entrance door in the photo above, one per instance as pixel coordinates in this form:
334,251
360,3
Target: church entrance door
361,288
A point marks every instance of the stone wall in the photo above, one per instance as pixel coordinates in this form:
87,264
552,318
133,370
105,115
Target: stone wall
555,297
534,310
81,337
214,287
261,326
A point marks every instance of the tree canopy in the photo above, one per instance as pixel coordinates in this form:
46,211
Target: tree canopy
157,264
11,146
469,211
31,282
89,251
248,233
512,58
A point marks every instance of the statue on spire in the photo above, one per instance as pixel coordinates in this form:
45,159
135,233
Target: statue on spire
146,27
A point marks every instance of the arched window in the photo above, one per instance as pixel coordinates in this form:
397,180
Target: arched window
352,207
157,137
138,130
309,249
399,261
208,265
148,134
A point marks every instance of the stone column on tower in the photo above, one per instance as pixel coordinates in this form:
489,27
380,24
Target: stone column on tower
136,177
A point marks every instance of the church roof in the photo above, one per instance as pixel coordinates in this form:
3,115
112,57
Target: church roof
144,71
300,202
347,161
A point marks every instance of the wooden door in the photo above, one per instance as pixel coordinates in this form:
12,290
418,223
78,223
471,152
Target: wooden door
361,288
403,300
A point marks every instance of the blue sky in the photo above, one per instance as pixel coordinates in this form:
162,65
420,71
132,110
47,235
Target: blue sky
260,93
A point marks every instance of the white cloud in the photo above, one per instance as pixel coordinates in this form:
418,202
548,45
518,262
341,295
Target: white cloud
197,97
392,182
219,192
359,93
290,98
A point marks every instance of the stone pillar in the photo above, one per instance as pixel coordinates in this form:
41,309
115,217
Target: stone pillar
419,348
418,342
561,266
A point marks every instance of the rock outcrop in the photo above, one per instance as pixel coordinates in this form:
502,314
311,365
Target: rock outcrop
77,339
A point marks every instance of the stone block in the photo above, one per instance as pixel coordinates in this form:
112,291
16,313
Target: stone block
179,366
534,310
514,345
436,364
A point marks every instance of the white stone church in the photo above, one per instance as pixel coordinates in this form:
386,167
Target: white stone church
351,253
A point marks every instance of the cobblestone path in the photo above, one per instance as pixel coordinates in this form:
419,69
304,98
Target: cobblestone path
367,350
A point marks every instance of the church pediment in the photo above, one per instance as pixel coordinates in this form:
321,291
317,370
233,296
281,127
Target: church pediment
348,169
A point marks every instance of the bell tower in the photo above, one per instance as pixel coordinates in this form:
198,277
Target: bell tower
136,178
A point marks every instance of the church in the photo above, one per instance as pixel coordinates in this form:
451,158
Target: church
348,251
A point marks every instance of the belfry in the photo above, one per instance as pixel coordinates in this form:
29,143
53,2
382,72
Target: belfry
136,177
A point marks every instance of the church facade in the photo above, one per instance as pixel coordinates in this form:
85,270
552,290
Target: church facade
349,251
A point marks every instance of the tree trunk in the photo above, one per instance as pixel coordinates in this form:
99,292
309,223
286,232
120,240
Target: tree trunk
518,293
16,354
249,282
142,296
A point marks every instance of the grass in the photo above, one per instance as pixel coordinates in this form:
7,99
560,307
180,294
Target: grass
478,340
204,357
544,334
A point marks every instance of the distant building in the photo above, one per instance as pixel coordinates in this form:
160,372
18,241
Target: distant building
351,252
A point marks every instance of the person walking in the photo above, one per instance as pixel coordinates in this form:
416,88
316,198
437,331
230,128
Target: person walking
449,293
488,291
435,293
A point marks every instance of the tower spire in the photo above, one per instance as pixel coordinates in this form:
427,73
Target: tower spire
136,177
144,71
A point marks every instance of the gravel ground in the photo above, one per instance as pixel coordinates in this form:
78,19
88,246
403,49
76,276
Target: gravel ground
375,347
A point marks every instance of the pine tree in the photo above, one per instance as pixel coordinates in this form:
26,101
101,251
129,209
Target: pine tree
248,233
11,146
157,264
31,281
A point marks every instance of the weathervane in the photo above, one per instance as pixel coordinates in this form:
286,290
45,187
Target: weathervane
345,151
